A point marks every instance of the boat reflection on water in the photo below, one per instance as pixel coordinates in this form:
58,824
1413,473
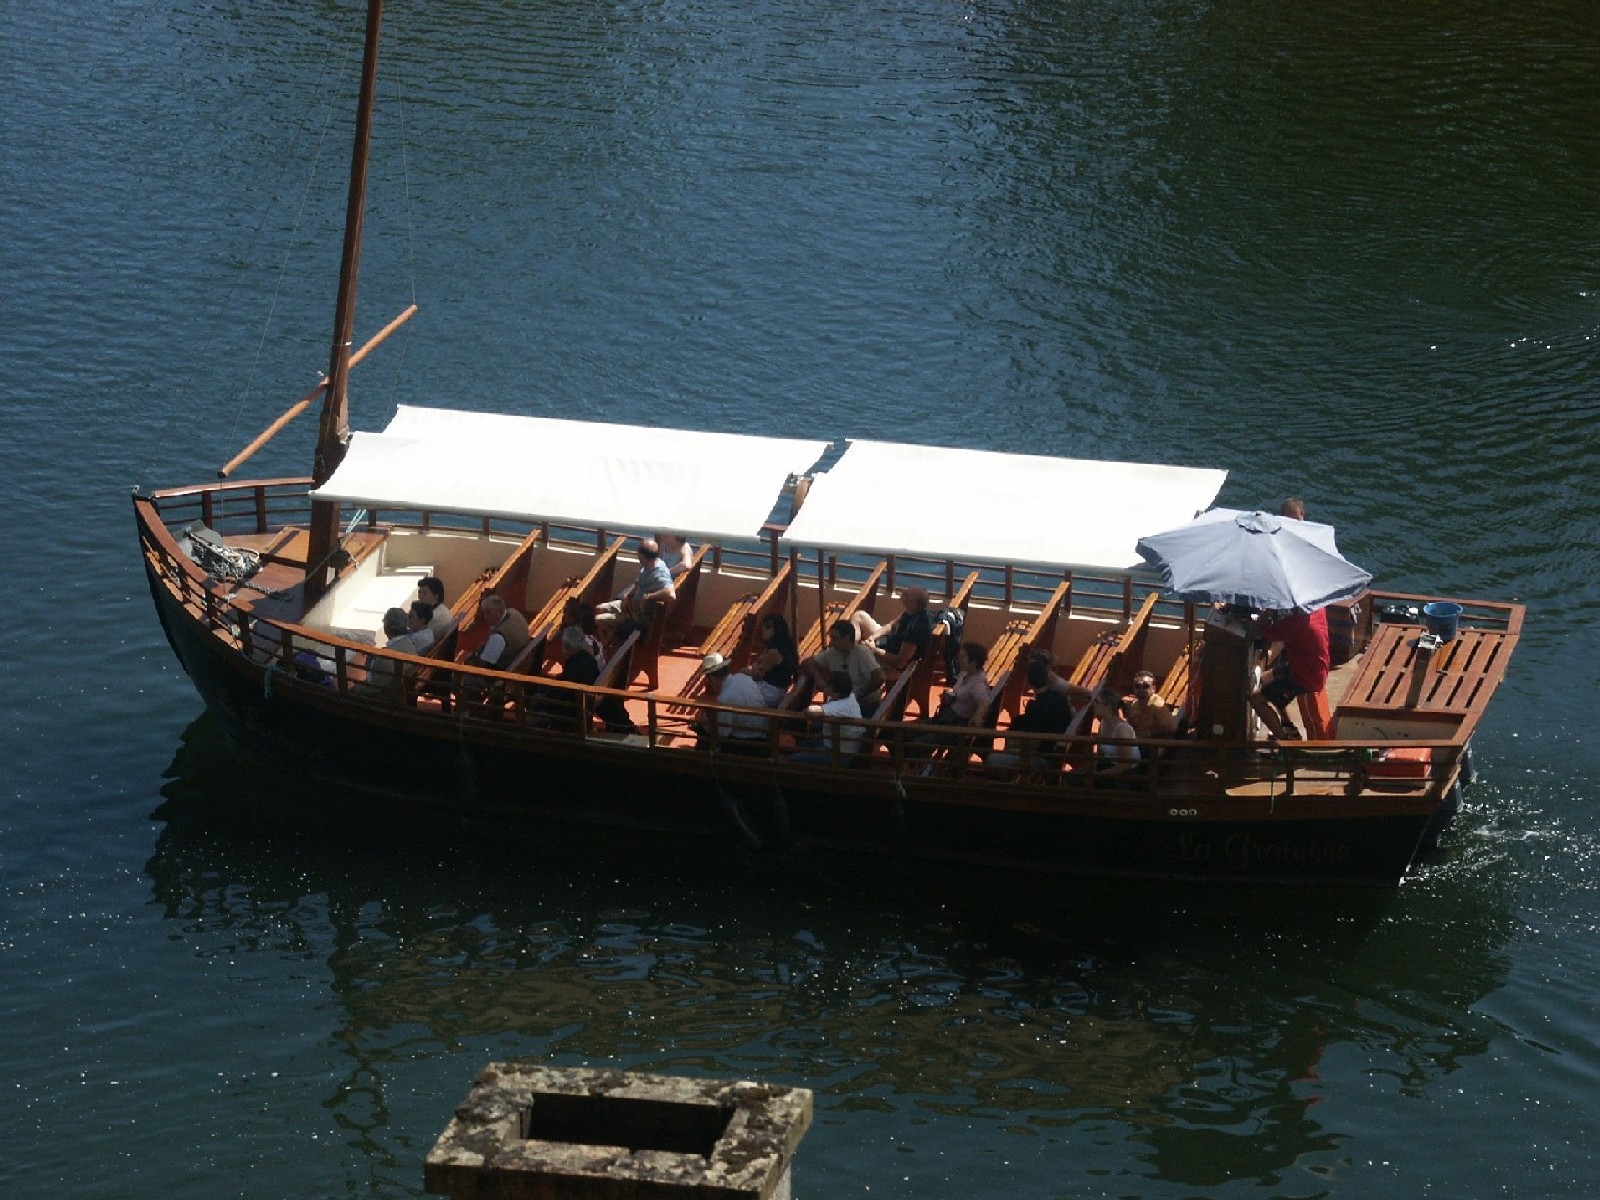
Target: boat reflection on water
1189,1030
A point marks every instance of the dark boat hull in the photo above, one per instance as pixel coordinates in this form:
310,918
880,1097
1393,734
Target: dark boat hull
501,771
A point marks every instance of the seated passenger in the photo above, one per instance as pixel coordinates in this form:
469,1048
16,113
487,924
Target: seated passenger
844,653
400,632
578,665
778,663
895,646
578,661
726,686
1148,711
580,612
1114,760
419,626
431,591
1075,694
508,633
840,702
1048,712
676,553
630,608
967,703
380,670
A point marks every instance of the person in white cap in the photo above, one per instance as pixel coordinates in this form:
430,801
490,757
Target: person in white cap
726,686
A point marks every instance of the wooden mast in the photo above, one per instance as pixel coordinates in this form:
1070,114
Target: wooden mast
334,430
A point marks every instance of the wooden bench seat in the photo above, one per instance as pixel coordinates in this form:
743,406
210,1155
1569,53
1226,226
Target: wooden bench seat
920,690
1028,636
1113,657
736,633
1005,651
1176,683
593,586
866,595
664,616
616,664
509,580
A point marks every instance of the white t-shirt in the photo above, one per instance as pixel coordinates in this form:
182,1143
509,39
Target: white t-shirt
849,735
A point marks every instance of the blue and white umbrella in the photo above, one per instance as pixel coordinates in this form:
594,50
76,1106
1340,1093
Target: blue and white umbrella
1254,560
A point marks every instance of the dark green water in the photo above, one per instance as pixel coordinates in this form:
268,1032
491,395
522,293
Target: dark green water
1348,251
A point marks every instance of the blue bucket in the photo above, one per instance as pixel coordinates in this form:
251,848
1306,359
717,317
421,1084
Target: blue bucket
1442,618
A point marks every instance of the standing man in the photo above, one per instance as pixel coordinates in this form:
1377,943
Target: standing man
1300,668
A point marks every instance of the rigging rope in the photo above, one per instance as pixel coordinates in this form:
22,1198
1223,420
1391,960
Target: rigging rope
183,402
283,273
315,174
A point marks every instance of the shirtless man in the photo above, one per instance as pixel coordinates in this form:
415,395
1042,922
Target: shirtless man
1148,711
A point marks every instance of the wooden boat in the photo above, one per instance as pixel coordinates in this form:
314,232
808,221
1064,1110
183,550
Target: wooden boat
272,591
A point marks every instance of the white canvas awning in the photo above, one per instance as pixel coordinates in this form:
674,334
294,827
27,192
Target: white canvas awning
981,506
714,486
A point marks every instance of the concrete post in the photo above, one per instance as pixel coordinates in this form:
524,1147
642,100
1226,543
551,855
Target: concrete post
528,1132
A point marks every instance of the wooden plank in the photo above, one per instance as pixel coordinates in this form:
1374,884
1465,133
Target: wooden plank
726,633
817,636
680,615
1038,633
1460,678
289,547
735,635
772,600
596,581
1179,678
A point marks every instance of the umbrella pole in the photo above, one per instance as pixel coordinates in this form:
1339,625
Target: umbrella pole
822,602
